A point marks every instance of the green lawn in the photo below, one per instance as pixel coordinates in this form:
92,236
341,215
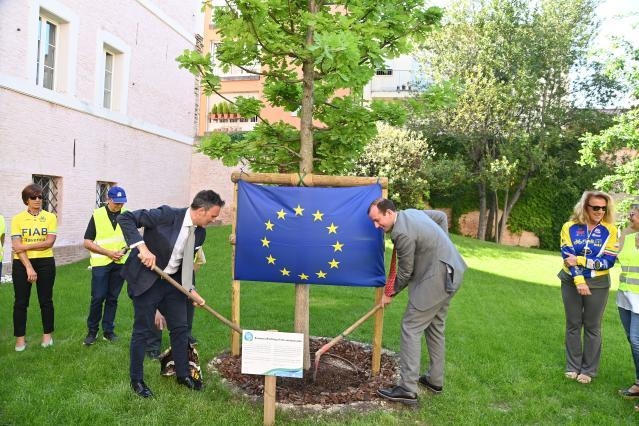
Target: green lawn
505,357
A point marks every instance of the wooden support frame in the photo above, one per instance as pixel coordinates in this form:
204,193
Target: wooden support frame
302,290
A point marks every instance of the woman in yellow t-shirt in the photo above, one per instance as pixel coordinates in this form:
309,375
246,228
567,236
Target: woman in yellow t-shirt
33,233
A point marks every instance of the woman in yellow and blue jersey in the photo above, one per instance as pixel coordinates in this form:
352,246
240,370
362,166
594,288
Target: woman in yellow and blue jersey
33,232
589,250
628,295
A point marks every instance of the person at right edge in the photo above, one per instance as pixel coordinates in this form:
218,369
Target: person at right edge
171,236
428,263
589,250
628,295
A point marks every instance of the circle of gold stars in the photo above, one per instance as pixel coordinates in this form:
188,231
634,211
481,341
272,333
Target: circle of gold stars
318,216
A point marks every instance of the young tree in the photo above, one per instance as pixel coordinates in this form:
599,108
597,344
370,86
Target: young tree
510,61
315,57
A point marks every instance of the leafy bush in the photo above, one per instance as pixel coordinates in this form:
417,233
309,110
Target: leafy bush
400,155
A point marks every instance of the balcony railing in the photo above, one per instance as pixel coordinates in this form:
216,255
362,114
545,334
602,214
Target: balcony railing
393,81
228,124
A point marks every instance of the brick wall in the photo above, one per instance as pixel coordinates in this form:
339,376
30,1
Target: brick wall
468,227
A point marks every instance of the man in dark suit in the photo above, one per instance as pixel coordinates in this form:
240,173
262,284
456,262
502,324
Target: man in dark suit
431,267
166,236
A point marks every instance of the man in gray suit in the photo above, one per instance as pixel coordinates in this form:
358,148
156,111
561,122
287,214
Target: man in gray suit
431,267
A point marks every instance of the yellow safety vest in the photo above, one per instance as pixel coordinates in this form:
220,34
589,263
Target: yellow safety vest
106,237
629,258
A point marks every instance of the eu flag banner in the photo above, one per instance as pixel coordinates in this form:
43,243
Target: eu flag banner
308,235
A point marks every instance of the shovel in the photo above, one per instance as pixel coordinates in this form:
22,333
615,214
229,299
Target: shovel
345,333
177,285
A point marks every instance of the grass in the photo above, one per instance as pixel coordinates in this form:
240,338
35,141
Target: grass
505,353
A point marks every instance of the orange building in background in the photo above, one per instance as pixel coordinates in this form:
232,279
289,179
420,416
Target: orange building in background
236,82
397,80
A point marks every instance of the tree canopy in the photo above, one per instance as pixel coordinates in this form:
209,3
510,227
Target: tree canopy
314,57
509,62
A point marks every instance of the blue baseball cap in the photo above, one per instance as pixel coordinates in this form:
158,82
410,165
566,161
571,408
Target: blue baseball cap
117,194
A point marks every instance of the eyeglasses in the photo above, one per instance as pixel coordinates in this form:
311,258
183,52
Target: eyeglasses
35,197
597,208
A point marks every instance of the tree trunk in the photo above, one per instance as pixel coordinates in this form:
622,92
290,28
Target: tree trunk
500,226
491,216
306,166
481,226
509,204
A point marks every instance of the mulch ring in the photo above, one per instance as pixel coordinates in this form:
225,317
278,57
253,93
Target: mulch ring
343,378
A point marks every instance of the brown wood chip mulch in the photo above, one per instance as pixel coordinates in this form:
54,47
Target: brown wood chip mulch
343,377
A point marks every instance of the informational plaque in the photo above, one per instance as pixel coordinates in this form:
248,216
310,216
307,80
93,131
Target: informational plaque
271,353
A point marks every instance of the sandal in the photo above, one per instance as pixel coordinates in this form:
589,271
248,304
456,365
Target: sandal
584,379
570,375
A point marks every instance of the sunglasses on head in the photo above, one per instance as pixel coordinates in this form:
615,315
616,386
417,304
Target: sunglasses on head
597,208
35,197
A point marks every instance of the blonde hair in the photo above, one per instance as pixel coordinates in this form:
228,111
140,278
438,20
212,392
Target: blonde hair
579,213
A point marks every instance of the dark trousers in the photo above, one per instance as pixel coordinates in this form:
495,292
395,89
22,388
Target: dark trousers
154,338
172,304
106,284
45,268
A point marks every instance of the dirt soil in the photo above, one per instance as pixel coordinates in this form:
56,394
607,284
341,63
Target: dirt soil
343,377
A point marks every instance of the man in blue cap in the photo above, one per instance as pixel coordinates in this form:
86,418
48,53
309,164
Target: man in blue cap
104,239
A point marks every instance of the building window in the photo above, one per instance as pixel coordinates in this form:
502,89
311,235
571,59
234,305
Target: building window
112,73
101,190
46,60
234,72
108,79
50,194
384,72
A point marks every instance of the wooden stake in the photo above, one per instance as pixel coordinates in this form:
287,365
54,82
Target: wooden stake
269,400
377,334
378,331
235,285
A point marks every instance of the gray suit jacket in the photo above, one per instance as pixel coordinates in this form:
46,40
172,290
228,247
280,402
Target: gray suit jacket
425,254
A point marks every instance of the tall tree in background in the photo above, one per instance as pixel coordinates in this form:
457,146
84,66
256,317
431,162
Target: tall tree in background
619,144
510,62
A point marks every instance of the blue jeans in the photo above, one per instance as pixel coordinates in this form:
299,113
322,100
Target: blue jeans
630,322
106,284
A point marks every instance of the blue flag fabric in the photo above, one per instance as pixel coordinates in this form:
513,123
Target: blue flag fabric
308,235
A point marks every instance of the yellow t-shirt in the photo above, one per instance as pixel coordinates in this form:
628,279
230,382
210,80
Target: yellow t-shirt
34,229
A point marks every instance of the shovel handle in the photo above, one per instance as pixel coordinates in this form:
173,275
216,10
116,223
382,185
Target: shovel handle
346,332
166,277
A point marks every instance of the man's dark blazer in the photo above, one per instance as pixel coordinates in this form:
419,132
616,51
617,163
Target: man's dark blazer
161,229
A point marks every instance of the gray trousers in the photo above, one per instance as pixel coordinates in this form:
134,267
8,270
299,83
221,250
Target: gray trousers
583,313
432,323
